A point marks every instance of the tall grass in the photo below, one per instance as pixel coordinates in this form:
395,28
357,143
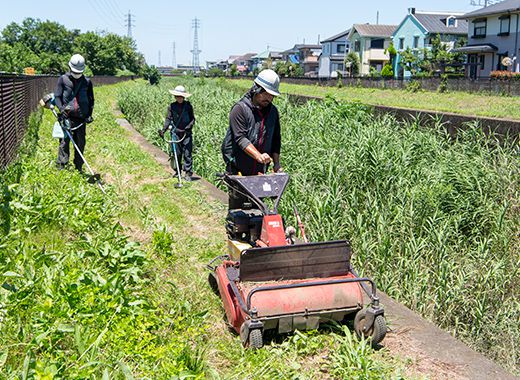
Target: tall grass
435,221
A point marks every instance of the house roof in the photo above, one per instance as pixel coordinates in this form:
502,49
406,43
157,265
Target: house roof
298,47
245,57
506,6
374,30
336,36
267,54
480,48
436,22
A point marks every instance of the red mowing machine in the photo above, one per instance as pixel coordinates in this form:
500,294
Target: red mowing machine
271,281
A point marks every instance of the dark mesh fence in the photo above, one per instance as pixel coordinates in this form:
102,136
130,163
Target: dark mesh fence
19,96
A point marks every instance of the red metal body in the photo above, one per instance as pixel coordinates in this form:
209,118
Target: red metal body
273,233
322,302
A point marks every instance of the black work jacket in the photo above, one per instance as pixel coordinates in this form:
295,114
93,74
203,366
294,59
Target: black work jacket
180,116
249,124
78,94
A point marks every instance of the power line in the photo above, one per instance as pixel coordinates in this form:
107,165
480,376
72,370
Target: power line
100,12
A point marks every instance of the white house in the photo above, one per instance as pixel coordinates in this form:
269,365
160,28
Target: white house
334,50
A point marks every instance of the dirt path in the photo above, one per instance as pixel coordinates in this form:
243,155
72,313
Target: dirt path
430,352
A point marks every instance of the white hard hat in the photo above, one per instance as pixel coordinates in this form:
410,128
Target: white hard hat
180,91
77,63
269,81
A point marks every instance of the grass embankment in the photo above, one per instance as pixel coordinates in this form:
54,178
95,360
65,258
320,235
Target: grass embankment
115,286
454,102
434,221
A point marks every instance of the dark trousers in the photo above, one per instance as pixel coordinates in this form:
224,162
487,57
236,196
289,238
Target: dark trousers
184,150
79,136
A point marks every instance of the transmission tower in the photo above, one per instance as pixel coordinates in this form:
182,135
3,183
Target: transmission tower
129,22
196,25
174,61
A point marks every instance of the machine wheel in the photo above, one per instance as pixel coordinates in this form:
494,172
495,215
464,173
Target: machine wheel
376,333
256,339
213,283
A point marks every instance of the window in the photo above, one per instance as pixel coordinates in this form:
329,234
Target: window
340,48
451,22
337,67
401,43
505,23
357,45
377,43
415,42
479,28
482,60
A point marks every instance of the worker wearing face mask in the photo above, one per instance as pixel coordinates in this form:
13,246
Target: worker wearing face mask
75,99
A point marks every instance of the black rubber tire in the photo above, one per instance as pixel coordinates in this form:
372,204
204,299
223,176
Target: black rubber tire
256,339
376,333
212,280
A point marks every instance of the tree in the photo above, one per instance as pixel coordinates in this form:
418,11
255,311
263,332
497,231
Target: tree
352,63
387,71
151,74
47,46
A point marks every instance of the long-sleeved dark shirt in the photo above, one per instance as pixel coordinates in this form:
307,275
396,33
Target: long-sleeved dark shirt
249,124
180,116
80,102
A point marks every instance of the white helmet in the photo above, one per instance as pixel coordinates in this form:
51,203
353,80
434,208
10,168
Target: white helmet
77,63
269,81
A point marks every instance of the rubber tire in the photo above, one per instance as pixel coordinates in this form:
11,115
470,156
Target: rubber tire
256,339
212,280
378,331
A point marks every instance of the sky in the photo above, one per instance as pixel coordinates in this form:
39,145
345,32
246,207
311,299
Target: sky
226,27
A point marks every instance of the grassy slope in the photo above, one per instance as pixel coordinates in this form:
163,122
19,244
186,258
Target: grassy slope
456,102
89,303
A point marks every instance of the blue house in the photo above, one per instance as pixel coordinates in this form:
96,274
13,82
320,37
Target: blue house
418,28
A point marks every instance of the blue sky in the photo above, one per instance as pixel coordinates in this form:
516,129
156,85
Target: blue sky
227,27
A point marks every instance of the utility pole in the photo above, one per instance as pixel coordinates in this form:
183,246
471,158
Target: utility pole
196,25
129,22
159,60
174,60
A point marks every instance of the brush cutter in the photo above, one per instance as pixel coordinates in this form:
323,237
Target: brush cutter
269,282
172,143
48,101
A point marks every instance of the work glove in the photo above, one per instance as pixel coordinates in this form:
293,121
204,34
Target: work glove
66,110
161,133
89,120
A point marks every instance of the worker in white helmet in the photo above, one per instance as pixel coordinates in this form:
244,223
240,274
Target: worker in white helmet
75,99
253,138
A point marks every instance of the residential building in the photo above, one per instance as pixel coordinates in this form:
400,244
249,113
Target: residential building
305,55
333,52
244,63
492,36
370,42
419,27
267,55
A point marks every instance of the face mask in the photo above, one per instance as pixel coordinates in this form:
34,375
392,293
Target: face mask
77,75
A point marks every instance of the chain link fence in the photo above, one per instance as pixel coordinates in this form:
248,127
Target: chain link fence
19,96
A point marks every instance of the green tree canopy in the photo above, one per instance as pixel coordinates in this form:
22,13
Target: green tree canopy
47,46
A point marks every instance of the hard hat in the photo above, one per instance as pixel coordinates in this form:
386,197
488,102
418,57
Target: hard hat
77,63
180,91
269,81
